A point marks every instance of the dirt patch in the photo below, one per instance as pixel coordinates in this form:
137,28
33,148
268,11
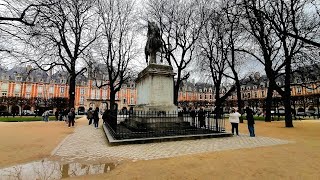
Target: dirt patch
25,142
22,142
299,160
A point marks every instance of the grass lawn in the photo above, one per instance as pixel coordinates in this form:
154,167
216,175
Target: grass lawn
28,118
23,118
26,142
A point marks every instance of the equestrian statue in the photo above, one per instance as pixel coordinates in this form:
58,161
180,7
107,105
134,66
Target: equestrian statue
154,43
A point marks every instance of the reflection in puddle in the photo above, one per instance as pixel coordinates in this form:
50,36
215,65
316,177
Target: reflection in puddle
53,170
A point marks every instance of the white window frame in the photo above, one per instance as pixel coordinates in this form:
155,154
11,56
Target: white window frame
62,90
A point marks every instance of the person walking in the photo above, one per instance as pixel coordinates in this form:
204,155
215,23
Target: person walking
61,115
90,115
45,116
193,116
106,115
96,117
234,120
56,114
250,120
71,117
65,116
201,117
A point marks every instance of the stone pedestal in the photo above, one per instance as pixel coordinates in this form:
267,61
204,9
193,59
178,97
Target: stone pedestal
155,89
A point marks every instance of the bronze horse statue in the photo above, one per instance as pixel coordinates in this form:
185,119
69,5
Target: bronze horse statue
154,43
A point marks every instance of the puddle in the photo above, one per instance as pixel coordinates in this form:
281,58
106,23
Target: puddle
48,170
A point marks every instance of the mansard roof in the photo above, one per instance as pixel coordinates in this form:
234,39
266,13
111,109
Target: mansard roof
36,75
27,74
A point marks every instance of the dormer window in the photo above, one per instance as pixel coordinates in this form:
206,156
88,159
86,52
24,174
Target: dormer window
299,90
17,88
4,86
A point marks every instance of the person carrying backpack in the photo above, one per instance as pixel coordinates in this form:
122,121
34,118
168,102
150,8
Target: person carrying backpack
90,115
96,117
71,117
45,116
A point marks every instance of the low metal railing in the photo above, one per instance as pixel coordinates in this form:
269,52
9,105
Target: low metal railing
141,124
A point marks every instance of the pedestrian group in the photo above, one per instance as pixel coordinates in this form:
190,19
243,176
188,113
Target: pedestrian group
234,119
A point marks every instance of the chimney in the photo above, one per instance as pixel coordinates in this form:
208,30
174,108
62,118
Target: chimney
29,68
50,73
90,64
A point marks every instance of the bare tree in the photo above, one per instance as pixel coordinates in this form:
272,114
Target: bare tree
215,49
15,15
235,39
116,47
180,25
25,12
307,30
286,16
265,45
61,36
269,23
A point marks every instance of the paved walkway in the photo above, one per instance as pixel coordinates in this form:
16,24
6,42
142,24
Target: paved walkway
90,144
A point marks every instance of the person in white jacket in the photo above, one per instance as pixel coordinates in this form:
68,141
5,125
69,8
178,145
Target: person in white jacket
234,120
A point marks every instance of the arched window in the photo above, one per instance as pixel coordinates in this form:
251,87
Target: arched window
4,86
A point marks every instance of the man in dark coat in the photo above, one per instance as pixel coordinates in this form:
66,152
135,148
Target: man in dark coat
90,115
201,117
250,121
96,117
105,116
71,117
193,114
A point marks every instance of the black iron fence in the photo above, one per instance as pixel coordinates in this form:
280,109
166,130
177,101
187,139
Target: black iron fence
140,124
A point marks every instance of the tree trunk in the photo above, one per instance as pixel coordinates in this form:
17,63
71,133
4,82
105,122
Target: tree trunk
269,104
112,100
176,94
287,107
72,91
287,95
239,100
113,110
